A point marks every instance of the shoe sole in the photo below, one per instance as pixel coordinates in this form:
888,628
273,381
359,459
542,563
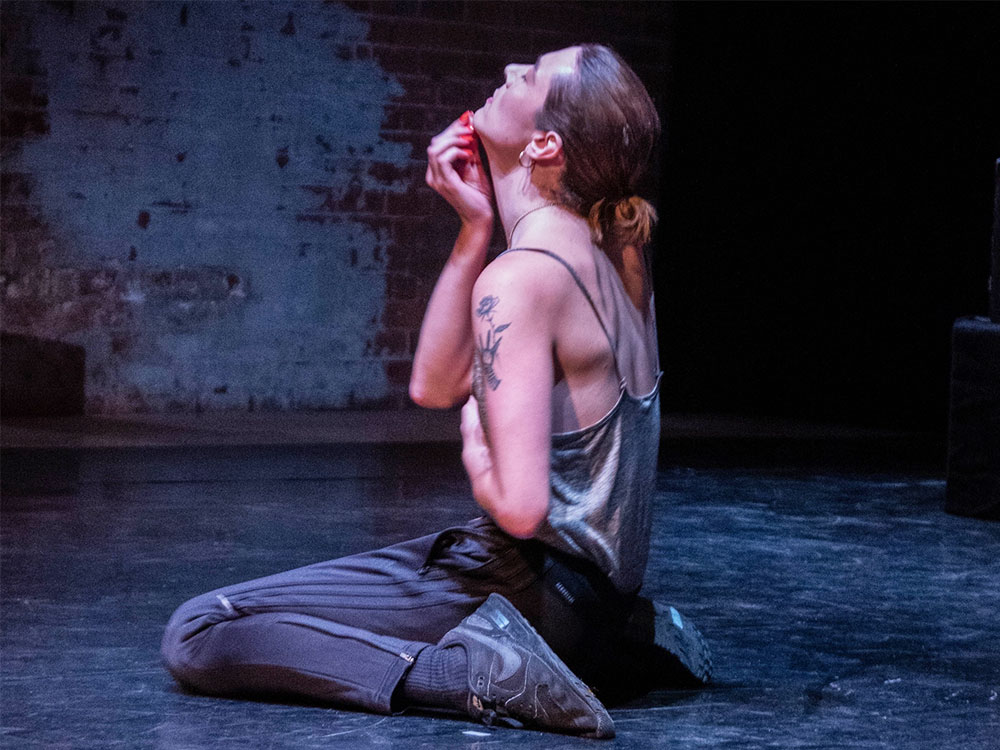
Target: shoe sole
679,637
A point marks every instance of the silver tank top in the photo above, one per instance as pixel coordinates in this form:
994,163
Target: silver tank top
602,478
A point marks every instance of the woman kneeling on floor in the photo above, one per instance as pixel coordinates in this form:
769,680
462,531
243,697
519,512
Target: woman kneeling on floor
552,349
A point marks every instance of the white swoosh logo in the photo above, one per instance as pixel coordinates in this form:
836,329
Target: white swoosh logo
511,660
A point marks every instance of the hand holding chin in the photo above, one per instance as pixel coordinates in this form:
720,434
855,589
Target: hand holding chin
455,171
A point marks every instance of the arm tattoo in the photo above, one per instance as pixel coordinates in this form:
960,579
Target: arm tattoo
488,346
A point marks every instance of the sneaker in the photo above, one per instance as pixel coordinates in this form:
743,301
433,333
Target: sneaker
679,652
514,674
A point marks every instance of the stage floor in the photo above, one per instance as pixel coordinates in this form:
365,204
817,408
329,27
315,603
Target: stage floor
844,608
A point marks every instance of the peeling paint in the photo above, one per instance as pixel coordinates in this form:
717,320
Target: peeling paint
156,144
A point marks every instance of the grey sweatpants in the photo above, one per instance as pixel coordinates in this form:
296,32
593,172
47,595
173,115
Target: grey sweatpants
347,630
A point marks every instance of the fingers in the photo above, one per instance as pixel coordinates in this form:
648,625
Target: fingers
459,134
472,426
454,170
443,169
470,417
446,150
456,133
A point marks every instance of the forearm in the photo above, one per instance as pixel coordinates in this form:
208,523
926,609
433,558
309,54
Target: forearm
516,518
519,503
444,350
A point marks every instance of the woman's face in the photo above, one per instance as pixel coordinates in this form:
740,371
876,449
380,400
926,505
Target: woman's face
508,117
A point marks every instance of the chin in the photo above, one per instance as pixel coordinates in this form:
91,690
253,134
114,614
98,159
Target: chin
481,125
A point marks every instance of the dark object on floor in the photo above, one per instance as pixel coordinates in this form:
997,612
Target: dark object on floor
40,377
974,420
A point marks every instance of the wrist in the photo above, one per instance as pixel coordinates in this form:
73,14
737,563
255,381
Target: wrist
477,228
473,240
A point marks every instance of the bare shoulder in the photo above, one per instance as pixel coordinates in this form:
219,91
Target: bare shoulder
523,277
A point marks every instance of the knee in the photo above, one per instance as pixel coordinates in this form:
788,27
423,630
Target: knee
181,638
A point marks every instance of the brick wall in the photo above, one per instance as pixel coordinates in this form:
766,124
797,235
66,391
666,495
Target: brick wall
223,203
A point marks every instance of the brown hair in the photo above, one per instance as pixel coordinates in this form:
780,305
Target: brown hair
609,128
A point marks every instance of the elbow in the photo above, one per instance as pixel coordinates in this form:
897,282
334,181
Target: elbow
423,396
524,523
520,530
432,391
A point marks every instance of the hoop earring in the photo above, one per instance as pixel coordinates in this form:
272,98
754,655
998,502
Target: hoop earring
520,160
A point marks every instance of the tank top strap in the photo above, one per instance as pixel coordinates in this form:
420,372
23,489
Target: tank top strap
586,294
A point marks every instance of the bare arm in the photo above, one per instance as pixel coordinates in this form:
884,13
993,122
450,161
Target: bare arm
443,358
513,315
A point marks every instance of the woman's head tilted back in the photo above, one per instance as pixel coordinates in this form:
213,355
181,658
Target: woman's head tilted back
609,128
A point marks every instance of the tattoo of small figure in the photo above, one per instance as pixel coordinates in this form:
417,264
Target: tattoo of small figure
488,346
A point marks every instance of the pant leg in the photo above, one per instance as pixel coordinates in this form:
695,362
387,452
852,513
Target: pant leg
344,630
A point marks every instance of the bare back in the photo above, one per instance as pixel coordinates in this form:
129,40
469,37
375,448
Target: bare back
588,375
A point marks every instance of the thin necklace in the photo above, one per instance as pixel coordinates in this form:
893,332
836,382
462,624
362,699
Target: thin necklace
529,211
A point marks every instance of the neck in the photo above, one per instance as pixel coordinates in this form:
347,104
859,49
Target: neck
528,213
515,194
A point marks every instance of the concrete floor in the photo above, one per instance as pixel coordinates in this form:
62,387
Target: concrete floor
844,608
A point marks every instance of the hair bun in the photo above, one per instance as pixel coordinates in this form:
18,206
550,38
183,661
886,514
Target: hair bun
627,221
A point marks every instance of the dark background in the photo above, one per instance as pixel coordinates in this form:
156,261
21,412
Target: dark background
827,206
825,189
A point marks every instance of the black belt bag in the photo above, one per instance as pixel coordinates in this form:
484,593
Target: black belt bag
585,587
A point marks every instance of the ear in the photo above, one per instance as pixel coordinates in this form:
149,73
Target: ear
545,148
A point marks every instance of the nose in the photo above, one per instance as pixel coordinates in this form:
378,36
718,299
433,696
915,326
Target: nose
510,71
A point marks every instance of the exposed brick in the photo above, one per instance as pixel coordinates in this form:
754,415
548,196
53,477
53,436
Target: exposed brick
96,281
22,60
448,10
397,55
418,140
405,117
320,219
373,202
454,62
391,342
21,123
15,187
395,8
500,14
350,201
582,21
398,372
417,201
463,93
17,91
22,217
426,264
446,57
402,314
488,66
432,34
405,286
388,172
419,88
416,231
